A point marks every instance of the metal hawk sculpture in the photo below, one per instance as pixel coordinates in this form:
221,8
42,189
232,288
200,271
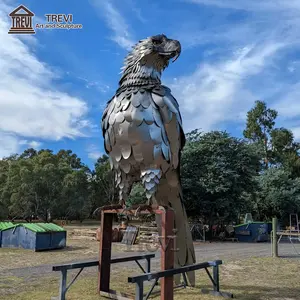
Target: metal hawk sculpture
143,135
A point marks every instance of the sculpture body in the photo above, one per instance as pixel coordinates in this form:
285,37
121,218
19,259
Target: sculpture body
143,135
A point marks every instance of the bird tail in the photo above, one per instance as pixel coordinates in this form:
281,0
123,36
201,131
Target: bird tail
169,193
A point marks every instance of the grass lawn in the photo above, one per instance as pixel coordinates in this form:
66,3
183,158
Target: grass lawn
77,249
247,279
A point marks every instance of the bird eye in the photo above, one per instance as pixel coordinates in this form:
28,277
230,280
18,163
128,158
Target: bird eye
156,42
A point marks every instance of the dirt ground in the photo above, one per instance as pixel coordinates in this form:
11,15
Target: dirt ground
26,274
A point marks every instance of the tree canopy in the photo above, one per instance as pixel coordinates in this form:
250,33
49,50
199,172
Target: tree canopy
222,177
217,170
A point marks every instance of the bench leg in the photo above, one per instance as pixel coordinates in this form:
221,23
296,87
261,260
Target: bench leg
216,278
63,285
148,265
139,291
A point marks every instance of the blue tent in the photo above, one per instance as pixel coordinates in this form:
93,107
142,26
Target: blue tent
35,236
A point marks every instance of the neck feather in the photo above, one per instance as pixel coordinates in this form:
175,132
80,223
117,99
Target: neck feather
140,75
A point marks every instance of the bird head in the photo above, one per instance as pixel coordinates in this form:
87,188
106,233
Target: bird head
158,47
151,56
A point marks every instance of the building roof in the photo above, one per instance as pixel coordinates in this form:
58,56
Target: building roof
4,225
37,227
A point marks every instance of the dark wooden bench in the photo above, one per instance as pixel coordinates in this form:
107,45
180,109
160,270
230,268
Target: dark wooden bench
81,265
139,279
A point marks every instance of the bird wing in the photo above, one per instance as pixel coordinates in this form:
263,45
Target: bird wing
172,122
169,190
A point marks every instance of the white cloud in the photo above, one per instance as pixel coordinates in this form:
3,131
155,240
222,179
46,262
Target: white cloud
104,88
30,105
254,5
31,144
296,132
9,144
288,106
218,92
116,22
93,152
225,85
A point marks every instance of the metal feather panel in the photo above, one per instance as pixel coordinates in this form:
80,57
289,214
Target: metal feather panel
166,114
137,152
168,101
158,100
112,118
126,104
116,153
157,117
128,113
107,142
165,151
137,115
155,133
146,99
112,136
120,117
174,140
136,99
125,150
157,152
125,166
138,134
111,106
159,90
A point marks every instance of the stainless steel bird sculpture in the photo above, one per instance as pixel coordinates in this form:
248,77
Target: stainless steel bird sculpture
143,135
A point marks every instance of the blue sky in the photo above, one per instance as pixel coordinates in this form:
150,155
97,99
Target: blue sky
55,84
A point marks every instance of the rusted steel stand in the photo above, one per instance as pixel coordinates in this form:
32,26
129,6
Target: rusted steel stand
167,252
105,251
166,241
165,275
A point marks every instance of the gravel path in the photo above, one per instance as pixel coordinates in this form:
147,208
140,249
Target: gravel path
204,252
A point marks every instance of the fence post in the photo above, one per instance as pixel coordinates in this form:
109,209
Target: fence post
274,238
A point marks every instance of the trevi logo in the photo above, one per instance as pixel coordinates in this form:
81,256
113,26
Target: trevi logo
22,21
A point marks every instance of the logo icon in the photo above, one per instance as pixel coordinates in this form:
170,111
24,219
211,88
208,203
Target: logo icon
21,19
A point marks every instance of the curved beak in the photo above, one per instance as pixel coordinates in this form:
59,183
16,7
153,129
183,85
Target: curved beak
172,49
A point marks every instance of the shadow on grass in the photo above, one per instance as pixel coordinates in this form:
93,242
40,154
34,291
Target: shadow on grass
290,256
66,249
242,292
250,292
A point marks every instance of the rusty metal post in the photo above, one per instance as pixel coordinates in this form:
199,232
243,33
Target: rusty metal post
167,253
105,252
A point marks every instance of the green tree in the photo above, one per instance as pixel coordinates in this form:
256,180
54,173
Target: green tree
278,194
137,195
217,170
103,191
285,150
45,185
260,123
276,145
